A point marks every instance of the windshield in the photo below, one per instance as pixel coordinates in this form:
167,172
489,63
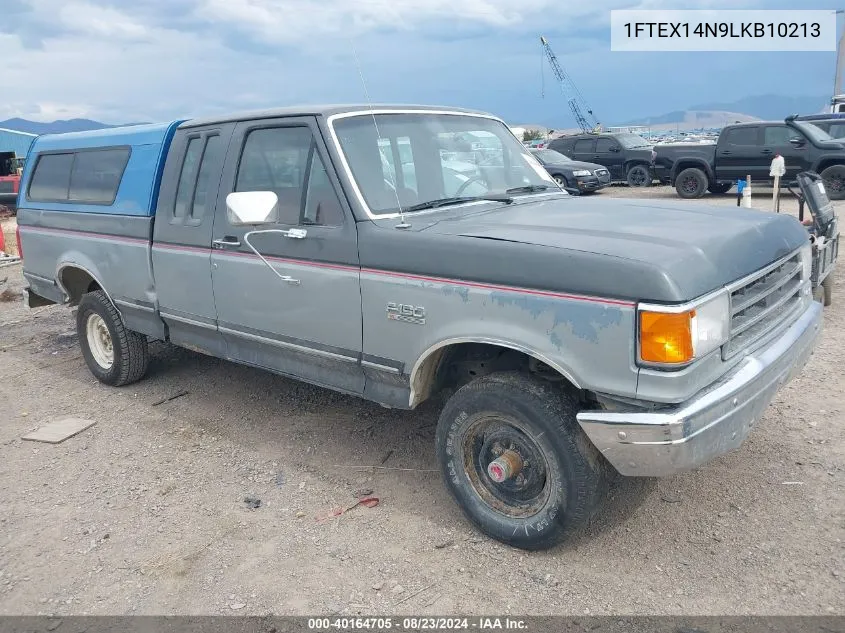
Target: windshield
630,141
815,133
418,158
550,156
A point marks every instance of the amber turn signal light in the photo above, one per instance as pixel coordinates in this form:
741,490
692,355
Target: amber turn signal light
666,338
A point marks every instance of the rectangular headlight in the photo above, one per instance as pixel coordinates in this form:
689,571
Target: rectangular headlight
676,336
581,172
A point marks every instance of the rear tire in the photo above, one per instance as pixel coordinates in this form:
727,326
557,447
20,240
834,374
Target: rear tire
834,181
116,356
560,480
691,183
639,176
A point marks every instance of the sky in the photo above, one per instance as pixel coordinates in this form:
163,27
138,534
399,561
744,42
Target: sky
155,60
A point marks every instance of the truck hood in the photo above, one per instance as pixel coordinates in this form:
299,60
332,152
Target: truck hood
685,249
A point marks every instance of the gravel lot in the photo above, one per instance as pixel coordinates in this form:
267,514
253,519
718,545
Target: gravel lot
144,512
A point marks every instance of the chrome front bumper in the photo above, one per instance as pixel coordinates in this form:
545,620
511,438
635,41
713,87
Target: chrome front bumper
717,420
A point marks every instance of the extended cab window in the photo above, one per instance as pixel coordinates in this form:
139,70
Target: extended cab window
194,180
741,136
284,160
91,176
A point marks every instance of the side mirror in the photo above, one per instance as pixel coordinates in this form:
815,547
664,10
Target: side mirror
252,207
797,142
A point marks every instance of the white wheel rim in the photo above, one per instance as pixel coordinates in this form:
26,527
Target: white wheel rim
559,180
99,341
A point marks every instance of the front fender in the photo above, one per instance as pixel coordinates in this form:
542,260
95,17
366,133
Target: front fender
686,163
589,340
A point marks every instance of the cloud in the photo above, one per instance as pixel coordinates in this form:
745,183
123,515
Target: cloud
116,60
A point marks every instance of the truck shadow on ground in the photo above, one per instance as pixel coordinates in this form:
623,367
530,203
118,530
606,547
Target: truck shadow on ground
332,433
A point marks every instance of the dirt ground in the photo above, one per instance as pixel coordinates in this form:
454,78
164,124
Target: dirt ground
144,512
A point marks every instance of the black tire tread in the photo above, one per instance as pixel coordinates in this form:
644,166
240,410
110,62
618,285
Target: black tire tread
648,171
699,174
590,475
826,175
131,353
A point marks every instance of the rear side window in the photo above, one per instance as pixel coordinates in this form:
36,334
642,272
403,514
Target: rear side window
741,136
88,176
584,145
96,175
603,145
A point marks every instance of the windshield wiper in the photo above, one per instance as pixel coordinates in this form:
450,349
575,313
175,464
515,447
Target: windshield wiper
444,202
529,188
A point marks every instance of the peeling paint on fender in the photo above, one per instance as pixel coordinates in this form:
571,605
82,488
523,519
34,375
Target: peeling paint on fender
585,320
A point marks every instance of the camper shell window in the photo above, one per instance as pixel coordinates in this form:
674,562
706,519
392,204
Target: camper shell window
90,176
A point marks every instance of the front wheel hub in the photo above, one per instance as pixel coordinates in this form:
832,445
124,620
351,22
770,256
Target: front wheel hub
508,465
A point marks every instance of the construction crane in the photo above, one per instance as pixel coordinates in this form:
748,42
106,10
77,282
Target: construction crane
575,99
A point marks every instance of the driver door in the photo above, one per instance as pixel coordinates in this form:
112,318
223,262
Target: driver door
297,311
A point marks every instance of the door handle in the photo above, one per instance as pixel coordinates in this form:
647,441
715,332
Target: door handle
226,242
290,280
725,152
296,234
767,151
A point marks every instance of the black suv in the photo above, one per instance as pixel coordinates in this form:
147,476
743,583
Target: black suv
627,156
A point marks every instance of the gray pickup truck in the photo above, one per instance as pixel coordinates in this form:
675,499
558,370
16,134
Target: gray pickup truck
349,247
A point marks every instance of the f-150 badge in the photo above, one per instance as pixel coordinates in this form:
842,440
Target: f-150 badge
406,313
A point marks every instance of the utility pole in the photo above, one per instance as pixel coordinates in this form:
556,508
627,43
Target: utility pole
840,60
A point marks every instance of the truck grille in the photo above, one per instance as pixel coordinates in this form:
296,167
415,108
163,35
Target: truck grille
762,301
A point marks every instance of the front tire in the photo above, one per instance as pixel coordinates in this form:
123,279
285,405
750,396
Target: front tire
691,183
639,176
525,430
834,181
116,356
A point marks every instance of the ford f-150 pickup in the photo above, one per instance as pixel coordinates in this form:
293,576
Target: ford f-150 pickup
342,246
747,149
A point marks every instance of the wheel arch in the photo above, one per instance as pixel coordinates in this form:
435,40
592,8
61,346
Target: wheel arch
425,371
75,278
694,163
636,162
824,163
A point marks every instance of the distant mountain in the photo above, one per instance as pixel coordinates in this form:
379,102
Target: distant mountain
717,114
56,127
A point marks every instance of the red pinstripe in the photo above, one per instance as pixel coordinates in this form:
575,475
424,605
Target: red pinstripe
370,271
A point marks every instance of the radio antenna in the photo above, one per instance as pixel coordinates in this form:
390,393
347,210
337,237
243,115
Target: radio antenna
402,223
